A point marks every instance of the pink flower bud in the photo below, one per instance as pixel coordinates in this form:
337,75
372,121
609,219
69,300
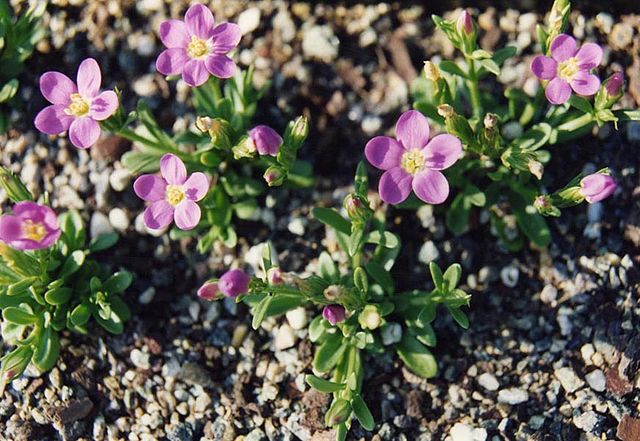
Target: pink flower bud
266,139
274,275
208,291
465,23
613,84
234,282
334,313
597,187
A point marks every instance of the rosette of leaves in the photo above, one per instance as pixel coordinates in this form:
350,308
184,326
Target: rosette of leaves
45,292
18,36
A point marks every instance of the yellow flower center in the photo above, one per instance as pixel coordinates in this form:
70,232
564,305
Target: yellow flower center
78,107
33,230
412,161
197,48
568,68
174,194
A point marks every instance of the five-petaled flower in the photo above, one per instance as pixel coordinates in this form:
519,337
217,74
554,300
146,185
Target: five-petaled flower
413,161
196,48
76,108
568,68
173,196
30,227
596,187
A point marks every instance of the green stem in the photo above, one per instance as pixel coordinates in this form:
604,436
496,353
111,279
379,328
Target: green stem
131,135
575,128
474,90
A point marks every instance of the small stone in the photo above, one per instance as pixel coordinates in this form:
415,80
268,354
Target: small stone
587,421
119,179
285,337
463,432
180,432
509,276
633,131
536,422
297,318
255,435
628,428
428,252
568,379
99,224
391,333
596,380
140,359
118,219
76,410
587,351
202,402
249,20
488,381
549,294
147,296
513,396
320,43
296,226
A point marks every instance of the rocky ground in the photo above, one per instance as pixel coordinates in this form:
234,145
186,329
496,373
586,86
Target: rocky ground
553,349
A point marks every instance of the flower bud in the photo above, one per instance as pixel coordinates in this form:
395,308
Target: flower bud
370,317
300,129
245,149
431,71
490,121
333,292
457,125
208,291
234,282
266,140
217,128
275,276
536,168
465,23
445,111
545,206
274,176
14,187
334,314
338,413
357,209
597,186
613,85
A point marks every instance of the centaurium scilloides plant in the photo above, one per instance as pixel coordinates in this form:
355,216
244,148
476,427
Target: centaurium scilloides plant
505,136
228,159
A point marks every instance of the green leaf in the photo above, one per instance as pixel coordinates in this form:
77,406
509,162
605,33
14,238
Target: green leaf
21,286
329,353
323,385
112,323
103,242
451,276
13,364
316,329
360,279
452,68
533,225
355,239
362,412
118,282
72,264
427,314
490,65
18,315
581,104
459,316
141,162
475,196
73,229
338,412
47,350
282,303
386,239
501,55
260,311
457,218
328,269
436,275
361,181
426,335
380,275
80,314
332,218
9,90
417,357
58,296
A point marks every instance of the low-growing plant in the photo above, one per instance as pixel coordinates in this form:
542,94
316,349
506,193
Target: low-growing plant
505,135
18,36
222,151
49,282
361,309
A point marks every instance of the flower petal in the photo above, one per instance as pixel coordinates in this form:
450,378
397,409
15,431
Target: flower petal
221,66
187,215
104,105
150,188
584,83
172,169
383,152
395,185
199,21
558,91
266,140
226,37
49,239
10,228
544,68
195,73
173,34
89,78
57,88
172,61
158,215
30,210
597,186
442,152
563,47
196,186
52,120
412,130
84,132
431,186
589,56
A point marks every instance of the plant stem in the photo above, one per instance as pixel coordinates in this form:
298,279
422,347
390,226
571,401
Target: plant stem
574,128
474,90
133,136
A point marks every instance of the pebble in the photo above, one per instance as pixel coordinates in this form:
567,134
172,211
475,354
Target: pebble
255,435
320,42
488,381
587,421
633,131
296,226
428,252
140,359
568,379
510,275
596,380
147,296
202,402
391,333
99,224
249,20
285,338
297,318
513,396
463,432
119,179
118,219
549,294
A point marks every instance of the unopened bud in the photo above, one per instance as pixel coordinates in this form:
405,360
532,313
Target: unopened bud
465,23
334,314
300,129
613,85
370,318
446,111
431,71
490,121
338,413
245,149
218,129
208,291
357,209
14,187
536,168
274,176
275,276
332,292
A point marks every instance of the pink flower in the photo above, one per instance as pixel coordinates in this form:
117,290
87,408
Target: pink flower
76,109
172,197
464,24
613,84
234,282
413,161
208,291
333,313
266,140
31,227
597,187
568,68
197,48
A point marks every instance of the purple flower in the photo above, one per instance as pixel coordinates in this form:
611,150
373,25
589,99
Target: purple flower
568,68
464,23
613,84
208,291
597,187
266,140
30,227
76,109
173,196
334,313
413,161
234,282
197,48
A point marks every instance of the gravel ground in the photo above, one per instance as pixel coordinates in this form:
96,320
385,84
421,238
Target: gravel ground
560,363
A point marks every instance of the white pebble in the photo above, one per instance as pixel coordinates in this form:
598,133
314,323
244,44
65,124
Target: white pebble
118,219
